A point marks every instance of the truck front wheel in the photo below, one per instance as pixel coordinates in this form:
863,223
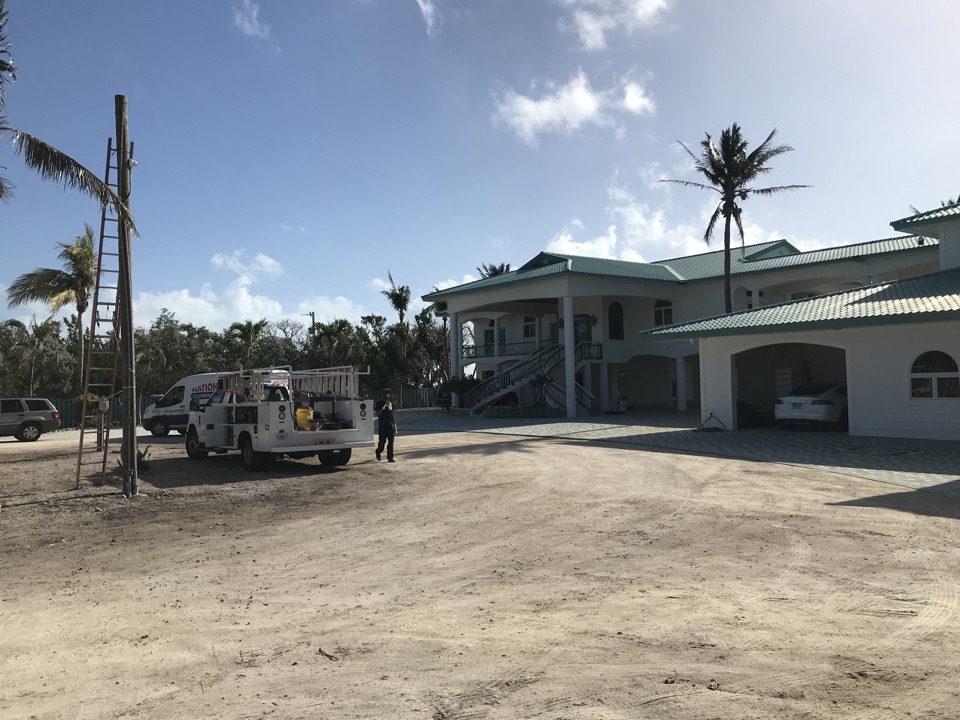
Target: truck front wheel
252,460
194,451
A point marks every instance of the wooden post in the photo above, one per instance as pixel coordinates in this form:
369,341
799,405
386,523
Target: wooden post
128,448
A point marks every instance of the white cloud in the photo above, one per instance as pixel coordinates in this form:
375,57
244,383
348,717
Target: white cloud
593,20
378,284
213,310
292,228
644,233
636,100
247,272
246,19
449,283
328,309
431,16
217,310
603,246
568,108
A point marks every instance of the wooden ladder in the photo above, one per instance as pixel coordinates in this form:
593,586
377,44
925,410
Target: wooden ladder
103,347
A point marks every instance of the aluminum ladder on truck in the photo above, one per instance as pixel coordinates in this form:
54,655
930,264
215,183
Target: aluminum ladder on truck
103,348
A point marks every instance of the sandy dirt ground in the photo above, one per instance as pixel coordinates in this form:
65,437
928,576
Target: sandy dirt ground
480,576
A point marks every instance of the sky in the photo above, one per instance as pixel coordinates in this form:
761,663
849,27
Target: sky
290,154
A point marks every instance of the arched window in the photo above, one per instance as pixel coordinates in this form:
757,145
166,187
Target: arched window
935,375
663,312
615,321
529,327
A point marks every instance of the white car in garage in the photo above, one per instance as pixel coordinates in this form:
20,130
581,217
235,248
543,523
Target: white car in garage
819,403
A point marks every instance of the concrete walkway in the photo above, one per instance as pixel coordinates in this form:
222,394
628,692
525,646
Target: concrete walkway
918,464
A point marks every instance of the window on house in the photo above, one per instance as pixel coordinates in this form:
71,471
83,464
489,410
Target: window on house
662,312
935,374
615,321
529,327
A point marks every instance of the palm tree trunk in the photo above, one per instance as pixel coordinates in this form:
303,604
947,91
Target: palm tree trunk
728,300
80,356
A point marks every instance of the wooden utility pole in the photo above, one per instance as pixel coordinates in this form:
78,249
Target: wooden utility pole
128,380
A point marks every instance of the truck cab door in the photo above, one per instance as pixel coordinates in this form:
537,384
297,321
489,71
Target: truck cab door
214,420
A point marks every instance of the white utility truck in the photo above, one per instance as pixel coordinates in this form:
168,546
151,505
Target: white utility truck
302,414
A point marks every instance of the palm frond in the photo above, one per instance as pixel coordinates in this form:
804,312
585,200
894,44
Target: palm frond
41,285
8,72
52,164
708,233
690,183
774,190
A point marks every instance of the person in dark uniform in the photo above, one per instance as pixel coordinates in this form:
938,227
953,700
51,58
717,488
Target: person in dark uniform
388,427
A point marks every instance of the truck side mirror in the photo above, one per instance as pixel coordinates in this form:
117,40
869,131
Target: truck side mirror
194,405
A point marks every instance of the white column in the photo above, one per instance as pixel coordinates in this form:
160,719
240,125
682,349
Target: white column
570,375
496,344
456,353
604,387
681,384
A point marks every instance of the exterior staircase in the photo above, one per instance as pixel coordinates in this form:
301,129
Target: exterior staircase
544,361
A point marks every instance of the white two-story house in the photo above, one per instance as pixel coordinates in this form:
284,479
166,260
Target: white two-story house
566,331
894,342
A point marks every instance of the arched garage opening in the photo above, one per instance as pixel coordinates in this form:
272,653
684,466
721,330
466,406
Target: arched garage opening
765,373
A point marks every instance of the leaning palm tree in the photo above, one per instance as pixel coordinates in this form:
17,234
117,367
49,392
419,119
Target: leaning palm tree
71,285
49,162
491,270
730,170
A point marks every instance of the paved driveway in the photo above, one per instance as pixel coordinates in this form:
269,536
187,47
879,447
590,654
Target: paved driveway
919,464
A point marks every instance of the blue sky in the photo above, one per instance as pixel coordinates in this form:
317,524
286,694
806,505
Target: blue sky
291,153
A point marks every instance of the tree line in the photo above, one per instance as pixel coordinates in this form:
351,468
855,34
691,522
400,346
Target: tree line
43,359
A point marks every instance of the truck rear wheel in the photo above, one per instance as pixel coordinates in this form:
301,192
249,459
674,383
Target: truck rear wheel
252,460
335,458
194,451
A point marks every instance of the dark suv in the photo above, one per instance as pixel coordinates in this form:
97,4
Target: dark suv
444,396
27,418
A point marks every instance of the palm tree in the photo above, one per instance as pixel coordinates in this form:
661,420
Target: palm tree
72,285
49,162
247,334
398,295
730,170
35,340
492,270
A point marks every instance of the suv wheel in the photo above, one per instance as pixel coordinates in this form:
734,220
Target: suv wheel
29,432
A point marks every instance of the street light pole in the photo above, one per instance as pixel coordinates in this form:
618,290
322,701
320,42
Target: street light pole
313,323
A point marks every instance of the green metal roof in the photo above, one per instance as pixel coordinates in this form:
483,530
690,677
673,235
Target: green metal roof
928,218
925,298
762,257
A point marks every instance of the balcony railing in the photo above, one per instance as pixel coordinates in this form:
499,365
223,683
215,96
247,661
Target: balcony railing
504,349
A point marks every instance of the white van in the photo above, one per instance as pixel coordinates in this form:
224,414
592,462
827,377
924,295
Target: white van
172,410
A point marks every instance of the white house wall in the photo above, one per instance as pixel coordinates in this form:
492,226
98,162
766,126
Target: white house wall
878,361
